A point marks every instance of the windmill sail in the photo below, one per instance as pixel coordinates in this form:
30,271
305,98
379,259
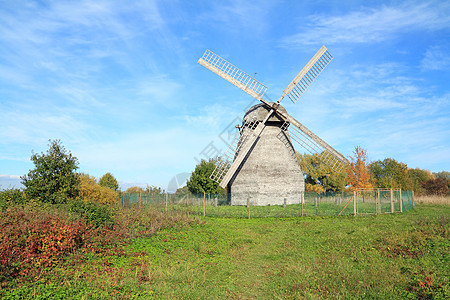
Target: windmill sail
314,144
307,75
232,74
227,165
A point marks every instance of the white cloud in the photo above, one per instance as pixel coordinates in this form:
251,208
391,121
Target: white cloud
371,25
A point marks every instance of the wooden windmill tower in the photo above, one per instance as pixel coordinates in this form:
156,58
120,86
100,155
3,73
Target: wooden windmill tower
261,161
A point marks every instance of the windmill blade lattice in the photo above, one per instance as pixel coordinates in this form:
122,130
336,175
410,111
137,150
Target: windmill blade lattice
224,163
314,145
232,74
306,76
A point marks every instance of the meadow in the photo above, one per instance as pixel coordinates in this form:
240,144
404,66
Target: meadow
144,253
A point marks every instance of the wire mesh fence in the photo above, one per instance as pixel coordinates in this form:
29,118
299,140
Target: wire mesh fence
358,202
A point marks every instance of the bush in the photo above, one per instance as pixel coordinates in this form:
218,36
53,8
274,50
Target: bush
94,213
91,191
11,197
35,239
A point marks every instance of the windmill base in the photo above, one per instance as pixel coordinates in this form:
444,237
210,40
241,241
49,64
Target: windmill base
265,200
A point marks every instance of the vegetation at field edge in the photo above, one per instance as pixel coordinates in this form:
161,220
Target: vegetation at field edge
387,256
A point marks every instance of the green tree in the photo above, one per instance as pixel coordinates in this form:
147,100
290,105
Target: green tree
418,177
154,190
389,173
183,190
199,182
53,180
442,174
109,181
318,173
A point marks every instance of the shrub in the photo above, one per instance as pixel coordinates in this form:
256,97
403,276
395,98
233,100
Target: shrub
91,191
94,213
36,239
10,197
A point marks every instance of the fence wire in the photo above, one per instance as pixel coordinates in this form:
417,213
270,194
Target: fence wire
360,202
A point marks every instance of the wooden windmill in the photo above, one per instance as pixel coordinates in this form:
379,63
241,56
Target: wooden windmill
261,162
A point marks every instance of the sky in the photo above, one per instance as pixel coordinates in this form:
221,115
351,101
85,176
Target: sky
118,81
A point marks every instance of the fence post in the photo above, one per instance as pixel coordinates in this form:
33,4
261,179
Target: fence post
392,201
248,206
204,204
354,203
167,201
401,201
377,202
284,202
302,199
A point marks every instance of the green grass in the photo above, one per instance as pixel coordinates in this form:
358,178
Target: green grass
387,256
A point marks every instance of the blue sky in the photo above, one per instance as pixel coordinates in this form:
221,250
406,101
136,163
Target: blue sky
118,81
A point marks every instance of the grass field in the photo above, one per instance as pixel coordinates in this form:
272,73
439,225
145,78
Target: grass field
386,256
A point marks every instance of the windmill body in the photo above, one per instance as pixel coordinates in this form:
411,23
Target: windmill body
270,173
260,165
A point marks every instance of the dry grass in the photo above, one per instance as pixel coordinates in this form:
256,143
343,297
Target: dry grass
434,199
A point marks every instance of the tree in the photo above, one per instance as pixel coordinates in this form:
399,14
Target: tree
134,189
318,173
442,174
200,183
109,181
53,179
183,190
358,176
437,186
389,173
91,191
418,177
154,190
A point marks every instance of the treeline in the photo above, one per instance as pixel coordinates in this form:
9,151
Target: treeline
360,173
55,180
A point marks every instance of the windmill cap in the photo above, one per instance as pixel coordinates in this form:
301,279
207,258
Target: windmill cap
259,112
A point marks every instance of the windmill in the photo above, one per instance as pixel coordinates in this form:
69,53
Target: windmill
261,162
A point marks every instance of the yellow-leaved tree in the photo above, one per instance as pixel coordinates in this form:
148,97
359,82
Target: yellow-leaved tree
90,190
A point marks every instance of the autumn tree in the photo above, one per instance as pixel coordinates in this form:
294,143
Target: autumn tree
91,191
134,189
418,177
358,176
436,186
319,174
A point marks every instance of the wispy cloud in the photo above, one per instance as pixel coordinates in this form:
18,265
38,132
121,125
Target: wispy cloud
437,57
371,24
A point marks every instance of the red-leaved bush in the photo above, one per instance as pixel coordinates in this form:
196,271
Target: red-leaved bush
35,239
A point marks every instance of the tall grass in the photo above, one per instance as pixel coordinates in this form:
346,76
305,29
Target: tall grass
433,199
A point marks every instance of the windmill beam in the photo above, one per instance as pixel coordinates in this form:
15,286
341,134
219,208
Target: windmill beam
317,139
241,156
229,78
